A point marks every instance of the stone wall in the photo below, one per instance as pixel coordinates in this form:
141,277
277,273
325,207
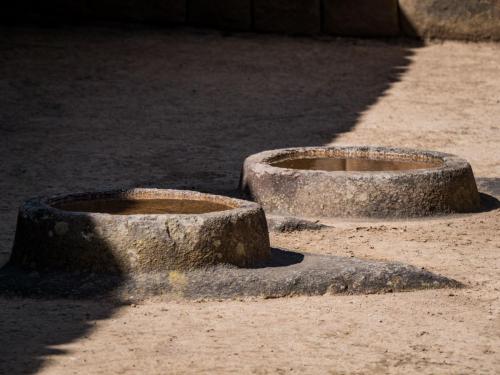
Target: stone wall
446,19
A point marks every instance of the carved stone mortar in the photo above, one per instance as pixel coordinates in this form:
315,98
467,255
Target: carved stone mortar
422,183
106,232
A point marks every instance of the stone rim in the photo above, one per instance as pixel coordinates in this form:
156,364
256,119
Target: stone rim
263,159
47,203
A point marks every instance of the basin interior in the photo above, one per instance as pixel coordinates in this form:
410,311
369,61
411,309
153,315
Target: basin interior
135,206
354,163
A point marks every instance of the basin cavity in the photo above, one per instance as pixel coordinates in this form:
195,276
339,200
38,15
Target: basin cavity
359,181
143,206
138,231
353,164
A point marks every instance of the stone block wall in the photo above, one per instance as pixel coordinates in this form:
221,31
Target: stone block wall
444,19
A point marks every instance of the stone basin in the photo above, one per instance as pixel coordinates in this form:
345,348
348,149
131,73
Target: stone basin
138,231
129,245
359,181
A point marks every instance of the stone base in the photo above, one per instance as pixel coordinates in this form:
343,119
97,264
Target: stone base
159,11
286,274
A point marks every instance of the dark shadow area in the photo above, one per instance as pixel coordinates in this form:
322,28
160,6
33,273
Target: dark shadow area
406,26
490,185
42,310
282,258
488,202
489,188
33,318
57,13
20,281
97,109
32,329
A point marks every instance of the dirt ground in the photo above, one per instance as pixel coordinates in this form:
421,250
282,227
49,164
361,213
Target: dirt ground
86,109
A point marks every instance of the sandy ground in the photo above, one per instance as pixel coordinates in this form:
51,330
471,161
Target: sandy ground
97,108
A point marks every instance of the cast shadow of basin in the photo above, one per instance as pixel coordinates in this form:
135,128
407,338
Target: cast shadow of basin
489,191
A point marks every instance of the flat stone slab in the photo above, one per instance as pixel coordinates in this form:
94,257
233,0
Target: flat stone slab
286,274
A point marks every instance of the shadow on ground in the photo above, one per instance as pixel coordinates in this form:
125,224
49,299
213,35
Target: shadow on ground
489,188
92,109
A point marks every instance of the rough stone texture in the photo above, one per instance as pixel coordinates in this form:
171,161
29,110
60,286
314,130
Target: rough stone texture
451,19
160,11
74,11
226,14
361,17
447,188
287,16
286,274
52,239
291,224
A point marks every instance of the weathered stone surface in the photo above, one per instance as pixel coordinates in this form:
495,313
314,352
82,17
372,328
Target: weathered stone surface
451,19
225,14
291,224
361,17
285,274
287,16
161,11
48,238
445,188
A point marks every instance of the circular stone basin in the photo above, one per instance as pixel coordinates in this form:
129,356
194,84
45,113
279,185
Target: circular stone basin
350,181
139,230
